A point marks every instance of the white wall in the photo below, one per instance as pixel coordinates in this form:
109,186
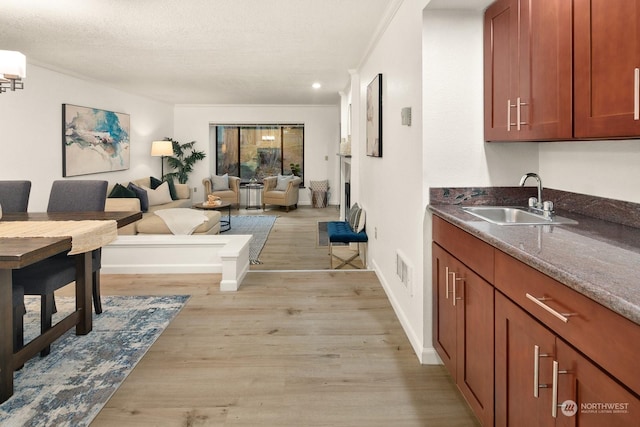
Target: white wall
321,134
599,168
31,129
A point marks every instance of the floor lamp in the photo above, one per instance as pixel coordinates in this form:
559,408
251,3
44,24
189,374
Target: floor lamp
161,149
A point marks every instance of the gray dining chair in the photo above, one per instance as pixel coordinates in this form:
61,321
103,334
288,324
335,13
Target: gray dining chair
45,277
14,197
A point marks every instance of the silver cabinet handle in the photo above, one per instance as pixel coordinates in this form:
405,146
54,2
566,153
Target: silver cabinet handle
554,397
456,279
509,107
636,94
519,106
446,282
536,370
539,301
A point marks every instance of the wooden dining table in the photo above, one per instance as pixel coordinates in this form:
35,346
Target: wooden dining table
19,252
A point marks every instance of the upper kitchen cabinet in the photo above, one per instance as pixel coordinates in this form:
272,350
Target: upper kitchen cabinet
607,68
528,70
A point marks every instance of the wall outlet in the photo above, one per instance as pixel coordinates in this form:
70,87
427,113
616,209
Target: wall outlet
195,189
375,232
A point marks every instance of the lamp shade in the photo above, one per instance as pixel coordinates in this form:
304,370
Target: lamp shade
12,65
161,148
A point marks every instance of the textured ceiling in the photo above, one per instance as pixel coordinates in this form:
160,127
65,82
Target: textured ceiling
200,51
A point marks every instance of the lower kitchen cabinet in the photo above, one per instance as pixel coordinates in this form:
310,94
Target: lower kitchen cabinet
540,380
518,343
463,330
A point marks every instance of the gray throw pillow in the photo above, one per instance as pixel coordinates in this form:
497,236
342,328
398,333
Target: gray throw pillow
220,183
283,182
354,216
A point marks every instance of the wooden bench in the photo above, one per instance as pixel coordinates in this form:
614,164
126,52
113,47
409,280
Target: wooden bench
341,232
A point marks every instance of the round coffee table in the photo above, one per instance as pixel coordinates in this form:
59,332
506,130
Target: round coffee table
225,224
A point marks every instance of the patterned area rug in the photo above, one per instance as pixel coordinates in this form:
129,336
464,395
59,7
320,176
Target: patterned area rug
259,226
71,385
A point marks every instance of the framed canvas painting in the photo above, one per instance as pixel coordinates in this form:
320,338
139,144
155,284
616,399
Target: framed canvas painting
374,117
94,140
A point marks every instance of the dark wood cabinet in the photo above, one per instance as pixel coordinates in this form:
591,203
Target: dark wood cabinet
543,381
607,68
528,70
463,325
518,343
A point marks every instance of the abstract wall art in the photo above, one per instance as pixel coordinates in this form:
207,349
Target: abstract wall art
374,117
94,140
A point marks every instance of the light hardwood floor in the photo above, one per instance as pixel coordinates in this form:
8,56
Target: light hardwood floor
296,348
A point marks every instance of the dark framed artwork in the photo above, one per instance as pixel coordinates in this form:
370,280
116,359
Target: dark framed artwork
374,117
94,140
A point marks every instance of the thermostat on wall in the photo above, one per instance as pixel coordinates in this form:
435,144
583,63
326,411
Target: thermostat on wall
406,116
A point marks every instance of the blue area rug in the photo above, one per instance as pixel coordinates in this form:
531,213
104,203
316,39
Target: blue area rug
259,226
71,385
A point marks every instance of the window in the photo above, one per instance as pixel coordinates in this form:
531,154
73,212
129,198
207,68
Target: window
258,151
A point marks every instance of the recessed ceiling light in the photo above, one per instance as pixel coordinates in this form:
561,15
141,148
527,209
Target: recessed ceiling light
316,85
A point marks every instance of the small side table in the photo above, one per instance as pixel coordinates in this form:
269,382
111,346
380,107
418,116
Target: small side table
225,224
254,196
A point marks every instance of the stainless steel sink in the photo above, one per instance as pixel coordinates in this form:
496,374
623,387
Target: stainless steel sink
507,215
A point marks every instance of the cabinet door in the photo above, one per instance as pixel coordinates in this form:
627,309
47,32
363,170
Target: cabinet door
545,71
528,70
599,400
607,58
500,55
475,349
444,315
518,401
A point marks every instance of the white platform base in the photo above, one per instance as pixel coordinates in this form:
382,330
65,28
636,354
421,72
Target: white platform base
169,254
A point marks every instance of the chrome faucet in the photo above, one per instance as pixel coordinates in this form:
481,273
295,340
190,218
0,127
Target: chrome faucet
538,203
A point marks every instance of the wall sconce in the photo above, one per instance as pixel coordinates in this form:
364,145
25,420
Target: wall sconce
161,149
13,68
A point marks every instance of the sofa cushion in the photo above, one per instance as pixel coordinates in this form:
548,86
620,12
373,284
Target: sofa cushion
120,192
160,195
220,182
140,194
183,192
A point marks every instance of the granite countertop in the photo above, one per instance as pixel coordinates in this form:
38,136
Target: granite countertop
598,258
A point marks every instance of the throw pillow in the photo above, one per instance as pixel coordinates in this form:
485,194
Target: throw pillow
361,221
283,182
140,194
160,195
220,183
354,216
155,183
119,191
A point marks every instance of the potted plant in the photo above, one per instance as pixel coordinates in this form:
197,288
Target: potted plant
295,168
183,159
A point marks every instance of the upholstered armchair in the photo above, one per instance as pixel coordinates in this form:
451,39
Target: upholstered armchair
281,190
215,186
